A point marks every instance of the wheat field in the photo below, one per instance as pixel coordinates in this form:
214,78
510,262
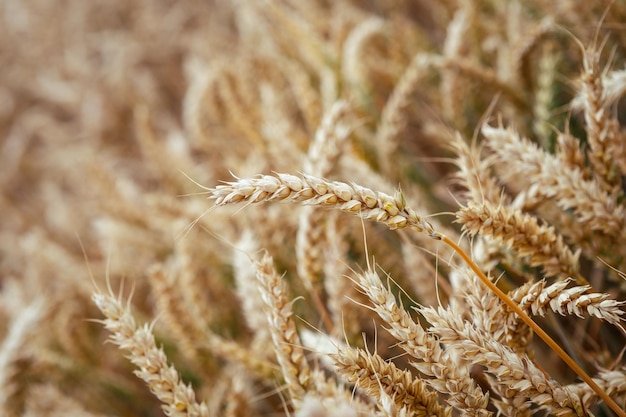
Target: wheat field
312,208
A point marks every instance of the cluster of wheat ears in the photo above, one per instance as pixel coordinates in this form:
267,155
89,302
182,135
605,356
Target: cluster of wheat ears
312,208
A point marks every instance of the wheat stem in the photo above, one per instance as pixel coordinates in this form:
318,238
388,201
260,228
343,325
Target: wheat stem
536,328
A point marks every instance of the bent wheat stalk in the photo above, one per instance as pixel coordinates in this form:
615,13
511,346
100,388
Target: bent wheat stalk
382,208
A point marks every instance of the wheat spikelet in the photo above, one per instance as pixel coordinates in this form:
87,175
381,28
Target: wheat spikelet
235,353
571,154
524,47
49,400
339,290
304,94
517,335
393,117
453,48
611,381
419,273
169,304
545,93
474,173
246,288
354,66
22,329
238,402
275,128
485,305
486,77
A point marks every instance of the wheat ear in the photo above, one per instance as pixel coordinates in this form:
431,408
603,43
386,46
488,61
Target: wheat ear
370,372
279,313
310,190
310,239
570,301
178,399
522,233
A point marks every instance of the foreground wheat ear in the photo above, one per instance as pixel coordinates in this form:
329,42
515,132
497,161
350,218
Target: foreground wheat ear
382,208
